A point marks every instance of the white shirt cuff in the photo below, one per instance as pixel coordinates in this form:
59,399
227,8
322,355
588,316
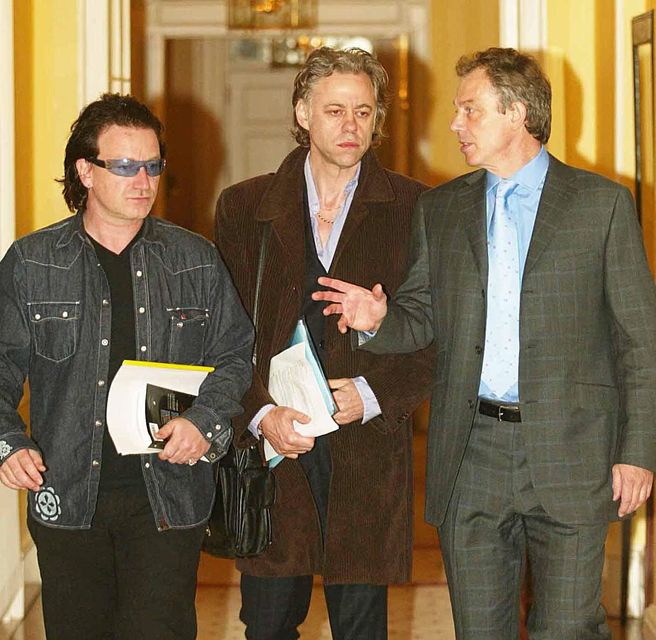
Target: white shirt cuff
371,406
259,416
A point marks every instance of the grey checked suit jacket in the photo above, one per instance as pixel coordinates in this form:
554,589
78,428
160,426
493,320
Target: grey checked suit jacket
587,366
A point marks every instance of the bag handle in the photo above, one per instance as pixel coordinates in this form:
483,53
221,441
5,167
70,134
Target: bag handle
260,270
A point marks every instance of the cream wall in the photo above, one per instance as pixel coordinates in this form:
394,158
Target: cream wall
47,73
457,28
582,50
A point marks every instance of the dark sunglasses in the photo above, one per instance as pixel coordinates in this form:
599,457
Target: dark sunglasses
129,168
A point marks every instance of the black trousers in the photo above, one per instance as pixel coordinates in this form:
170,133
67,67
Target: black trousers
274,608
495,520
121,579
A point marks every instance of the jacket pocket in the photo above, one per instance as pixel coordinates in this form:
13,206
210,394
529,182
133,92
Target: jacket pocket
187,329
55,327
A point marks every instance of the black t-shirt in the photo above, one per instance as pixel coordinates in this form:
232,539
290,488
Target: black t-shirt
118,470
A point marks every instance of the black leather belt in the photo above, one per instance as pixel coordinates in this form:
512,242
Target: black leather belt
505,412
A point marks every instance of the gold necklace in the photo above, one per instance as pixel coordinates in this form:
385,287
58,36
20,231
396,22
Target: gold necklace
327,220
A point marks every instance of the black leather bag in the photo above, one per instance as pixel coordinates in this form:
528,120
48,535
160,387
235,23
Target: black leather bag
240,524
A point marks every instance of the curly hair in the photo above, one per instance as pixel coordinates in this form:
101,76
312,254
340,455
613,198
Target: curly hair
516,77
323,62
110,109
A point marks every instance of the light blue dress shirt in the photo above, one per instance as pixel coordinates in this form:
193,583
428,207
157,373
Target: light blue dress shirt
523,202
326,253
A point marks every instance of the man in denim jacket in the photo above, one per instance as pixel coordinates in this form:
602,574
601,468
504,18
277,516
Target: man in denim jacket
118,537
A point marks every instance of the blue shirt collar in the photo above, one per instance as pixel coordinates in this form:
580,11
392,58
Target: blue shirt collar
531,176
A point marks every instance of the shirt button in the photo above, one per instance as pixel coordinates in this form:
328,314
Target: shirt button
105,302
139,273
99,423
179,325
209,434
142,310
95,463
218,427
143,348
104,342
37,316
147,465
65,314
212,456
101,383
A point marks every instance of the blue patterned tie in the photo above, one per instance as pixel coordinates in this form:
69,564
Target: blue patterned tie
501,356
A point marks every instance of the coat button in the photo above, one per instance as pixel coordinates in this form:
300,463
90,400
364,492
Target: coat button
478,349
471,404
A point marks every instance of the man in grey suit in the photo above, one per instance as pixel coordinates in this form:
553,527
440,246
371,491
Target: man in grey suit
531,277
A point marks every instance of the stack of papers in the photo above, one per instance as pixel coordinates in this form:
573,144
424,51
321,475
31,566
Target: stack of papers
296,380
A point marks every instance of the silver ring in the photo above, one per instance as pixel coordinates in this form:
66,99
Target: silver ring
192,462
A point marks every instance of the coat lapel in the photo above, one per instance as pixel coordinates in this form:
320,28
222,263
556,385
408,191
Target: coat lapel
557,193
373,186
283,206
472,205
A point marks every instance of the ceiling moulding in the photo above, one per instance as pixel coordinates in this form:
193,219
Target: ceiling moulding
185,18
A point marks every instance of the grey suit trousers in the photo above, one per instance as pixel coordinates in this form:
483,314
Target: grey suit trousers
494,521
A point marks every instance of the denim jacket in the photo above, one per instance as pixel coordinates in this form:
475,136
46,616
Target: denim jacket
55,315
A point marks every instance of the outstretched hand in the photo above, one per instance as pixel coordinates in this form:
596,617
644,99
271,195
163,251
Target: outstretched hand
359,308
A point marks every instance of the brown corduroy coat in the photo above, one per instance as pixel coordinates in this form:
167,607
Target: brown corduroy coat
369,526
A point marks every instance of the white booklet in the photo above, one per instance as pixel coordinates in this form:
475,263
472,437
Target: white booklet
144,396
296,380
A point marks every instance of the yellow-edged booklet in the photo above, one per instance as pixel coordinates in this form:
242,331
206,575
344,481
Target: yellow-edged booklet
144,396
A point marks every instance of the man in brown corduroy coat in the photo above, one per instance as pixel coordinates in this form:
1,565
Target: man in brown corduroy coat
344,500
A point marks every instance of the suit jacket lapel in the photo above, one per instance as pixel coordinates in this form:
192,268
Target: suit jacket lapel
554,202
471,201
